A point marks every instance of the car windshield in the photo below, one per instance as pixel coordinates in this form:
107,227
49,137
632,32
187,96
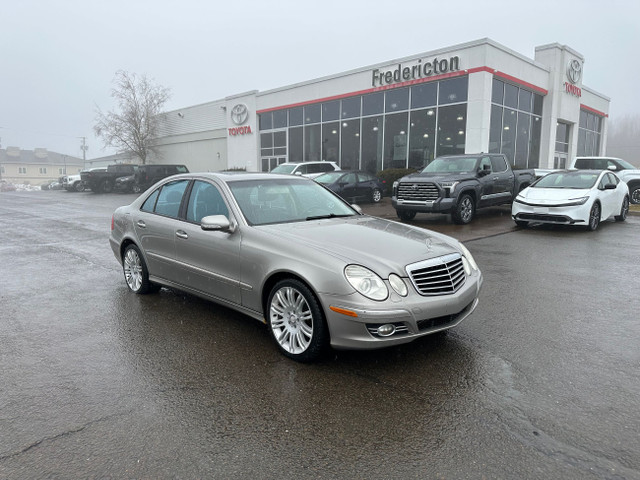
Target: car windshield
626,165
328,178
577,180
284,168
287,200
452,165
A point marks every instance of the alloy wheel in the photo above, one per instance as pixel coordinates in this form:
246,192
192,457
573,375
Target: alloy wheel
291,320
133,270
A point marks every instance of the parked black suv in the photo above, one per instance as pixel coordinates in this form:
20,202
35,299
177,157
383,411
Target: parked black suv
147,175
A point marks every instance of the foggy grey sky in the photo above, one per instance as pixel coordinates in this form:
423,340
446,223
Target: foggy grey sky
58,57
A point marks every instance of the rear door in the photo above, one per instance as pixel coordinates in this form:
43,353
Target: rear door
156,223
503,179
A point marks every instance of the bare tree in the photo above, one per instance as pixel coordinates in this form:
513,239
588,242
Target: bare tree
132,128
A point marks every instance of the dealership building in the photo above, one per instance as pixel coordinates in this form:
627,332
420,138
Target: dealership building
469,98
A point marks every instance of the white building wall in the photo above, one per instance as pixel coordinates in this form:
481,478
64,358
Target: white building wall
478,112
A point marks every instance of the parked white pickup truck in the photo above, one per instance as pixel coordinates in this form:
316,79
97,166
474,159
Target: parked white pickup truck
624,170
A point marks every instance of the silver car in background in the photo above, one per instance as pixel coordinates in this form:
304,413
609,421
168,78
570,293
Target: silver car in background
294,255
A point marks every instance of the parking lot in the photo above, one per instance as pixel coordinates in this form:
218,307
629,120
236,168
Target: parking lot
542,381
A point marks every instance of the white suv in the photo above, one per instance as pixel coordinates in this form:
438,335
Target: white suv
308,169
72,183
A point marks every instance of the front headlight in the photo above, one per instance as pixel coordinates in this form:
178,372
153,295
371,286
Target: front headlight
575,201
467,255
398,285
366,282
451,186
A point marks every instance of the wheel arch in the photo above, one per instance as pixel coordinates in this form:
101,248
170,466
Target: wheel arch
274,278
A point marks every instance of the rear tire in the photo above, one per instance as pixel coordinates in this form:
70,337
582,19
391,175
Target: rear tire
624,210
634,194
107,186
296,321
405,215
136,273
79,187
136,189
376,195
464,211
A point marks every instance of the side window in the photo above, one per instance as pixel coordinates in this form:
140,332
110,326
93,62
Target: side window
170,198
365,177
205,200
612,179
302,169
603,181
150,202
498,164
486,161
326,167
349,179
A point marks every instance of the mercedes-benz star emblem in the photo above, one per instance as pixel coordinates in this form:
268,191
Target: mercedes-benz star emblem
574,71
239,114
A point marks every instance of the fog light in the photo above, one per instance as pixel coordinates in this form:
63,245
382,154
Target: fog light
386,330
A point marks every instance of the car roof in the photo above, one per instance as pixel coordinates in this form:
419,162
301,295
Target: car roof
239,176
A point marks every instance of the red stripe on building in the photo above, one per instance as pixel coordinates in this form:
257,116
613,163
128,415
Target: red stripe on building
593,110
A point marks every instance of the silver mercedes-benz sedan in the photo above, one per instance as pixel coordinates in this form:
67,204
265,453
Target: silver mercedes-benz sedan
289,252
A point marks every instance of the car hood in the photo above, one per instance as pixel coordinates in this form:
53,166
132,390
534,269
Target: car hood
381,245
551,196
438,177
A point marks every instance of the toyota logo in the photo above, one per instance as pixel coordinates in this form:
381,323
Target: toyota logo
239,114
574,71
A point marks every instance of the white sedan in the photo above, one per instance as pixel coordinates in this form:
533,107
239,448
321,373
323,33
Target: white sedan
573,197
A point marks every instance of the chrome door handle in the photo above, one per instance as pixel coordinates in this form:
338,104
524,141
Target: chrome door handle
181,234
141,224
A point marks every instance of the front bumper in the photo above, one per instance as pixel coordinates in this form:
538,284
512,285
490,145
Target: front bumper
413,316
572,215
440,205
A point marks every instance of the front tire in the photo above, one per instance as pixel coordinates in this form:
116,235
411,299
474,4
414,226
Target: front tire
464,211
107,186
136,188
624,210
296,321
594,217
79,187
406,215
136,273
376,195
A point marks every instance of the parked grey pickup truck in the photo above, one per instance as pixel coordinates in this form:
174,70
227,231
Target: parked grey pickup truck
459,184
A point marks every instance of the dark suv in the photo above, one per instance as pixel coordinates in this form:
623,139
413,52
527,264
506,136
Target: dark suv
147,175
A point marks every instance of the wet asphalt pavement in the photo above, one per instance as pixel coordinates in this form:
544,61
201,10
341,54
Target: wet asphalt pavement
541,382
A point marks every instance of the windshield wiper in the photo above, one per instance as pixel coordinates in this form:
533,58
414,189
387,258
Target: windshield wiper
330,215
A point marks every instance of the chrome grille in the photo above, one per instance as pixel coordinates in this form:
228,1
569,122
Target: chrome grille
417,192
438,276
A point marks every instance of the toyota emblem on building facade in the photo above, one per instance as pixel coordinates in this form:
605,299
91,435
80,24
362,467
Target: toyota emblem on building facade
239,114
574,71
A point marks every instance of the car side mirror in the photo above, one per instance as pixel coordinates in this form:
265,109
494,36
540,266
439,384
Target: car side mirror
217,222
610,186
356,208
613,168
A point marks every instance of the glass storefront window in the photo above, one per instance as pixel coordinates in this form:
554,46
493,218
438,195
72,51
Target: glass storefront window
266,144
424,95
296,116
296,143
280,143
373,103
422,138
495,132
510,95
497,91
534,145
522,140
453,90
331,111
312,143
524,100
312,113
452,125
265,121
372,144
350,153
537,104
395,141
330,141
351,107
396,99
509,124
279,119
